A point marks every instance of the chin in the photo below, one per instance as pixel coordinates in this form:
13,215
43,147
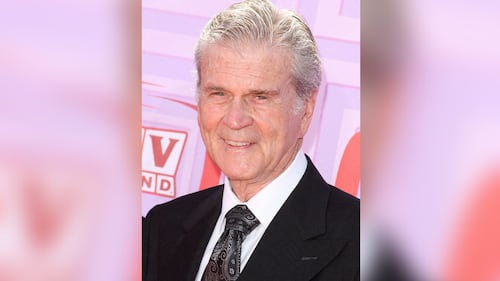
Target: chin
236,165
239,175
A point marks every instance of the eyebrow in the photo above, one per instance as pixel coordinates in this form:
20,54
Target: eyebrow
263,92
214,88
251,92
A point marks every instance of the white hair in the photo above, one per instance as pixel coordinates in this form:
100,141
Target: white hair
261,22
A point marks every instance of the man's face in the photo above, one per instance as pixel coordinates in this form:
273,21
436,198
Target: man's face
246,112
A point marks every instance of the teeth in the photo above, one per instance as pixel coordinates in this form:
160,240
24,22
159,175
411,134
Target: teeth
235,143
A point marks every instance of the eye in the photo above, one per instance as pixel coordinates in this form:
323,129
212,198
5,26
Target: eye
218,94
261,97
218,97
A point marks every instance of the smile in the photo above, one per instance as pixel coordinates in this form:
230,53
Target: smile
237,143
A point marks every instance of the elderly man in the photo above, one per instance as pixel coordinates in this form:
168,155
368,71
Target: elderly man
274,218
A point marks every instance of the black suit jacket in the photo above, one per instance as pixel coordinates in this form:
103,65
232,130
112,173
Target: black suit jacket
314,236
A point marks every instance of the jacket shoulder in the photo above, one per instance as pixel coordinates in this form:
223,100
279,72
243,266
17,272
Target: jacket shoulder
344,199
183,204
344,209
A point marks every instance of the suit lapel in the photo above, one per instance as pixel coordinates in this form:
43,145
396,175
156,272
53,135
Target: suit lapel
197,231
292,247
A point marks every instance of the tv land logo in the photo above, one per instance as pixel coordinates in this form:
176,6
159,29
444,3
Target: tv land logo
161,155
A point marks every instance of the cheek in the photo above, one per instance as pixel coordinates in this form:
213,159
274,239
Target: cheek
205,127
207,118
293,128
281,129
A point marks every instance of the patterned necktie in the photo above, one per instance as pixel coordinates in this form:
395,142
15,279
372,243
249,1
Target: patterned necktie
224,263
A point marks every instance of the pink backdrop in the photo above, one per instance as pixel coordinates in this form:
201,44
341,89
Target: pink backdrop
174,159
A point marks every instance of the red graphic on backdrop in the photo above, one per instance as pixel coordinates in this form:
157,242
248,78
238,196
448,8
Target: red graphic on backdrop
475,252
161,155
211,172
348,174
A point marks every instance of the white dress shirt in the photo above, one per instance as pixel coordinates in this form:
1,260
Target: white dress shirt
264,205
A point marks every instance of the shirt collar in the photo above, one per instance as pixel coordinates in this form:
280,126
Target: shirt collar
267,202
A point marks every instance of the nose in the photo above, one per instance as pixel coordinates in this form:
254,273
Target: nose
237,115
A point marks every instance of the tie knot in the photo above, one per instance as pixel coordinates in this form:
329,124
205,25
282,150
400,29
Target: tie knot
242,219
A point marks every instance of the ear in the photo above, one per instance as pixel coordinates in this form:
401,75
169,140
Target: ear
198,108
310,102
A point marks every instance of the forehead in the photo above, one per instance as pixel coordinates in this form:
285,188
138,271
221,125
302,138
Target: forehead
244,66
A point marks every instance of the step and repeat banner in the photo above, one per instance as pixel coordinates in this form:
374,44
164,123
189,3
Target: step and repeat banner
174,159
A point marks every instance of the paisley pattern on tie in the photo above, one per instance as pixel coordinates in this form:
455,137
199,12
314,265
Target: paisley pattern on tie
224,263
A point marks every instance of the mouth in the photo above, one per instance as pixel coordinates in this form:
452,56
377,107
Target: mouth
237,144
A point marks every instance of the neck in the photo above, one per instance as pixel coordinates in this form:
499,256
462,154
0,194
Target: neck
245,189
